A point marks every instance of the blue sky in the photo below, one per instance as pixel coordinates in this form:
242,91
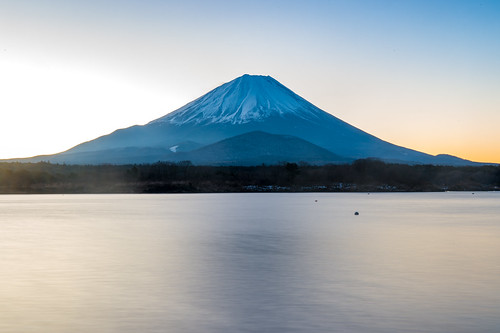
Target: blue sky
421,74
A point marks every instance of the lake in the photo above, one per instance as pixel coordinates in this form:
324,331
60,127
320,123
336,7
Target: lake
268,262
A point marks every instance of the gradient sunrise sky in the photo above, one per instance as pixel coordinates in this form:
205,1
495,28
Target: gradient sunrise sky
420,74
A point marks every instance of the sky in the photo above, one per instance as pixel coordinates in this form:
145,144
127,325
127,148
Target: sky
420,74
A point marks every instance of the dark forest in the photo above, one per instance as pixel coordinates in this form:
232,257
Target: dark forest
361,176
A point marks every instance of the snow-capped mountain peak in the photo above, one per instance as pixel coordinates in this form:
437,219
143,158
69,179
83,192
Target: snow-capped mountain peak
239,121
242,100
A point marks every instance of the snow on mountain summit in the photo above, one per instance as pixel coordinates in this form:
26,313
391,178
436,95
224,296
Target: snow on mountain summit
242,100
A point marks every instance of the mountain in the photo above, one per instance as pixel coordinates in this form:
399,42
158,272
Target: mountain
247,104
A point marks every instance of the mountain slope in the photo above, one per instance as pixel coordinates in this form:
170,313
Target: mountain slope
125,155
252,148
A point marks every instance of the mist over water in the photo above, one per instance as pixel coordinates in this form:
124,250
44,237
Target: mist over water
427,262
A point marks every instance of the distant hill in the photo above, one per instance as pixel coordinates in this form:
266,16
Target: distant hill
259,147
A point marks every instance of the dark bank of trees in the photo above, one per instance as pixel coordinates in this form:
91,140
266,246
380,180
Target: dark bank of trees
162,177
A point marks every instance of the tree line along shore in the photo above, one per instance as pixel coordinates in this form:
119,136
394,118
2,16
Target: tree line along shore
364,175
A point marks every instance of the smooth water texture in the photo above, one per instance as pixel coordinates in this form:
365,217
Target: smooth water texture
250,263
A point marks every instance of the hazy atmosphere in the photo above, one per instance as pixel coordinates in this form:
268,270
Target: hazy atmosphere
420,74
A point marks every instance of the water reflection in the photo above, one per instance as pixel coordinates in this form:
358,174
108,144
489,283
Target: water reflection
256,282
250,263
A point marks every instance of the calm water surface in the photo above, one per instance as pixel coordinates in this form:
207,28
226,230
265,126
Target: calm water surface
250,263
